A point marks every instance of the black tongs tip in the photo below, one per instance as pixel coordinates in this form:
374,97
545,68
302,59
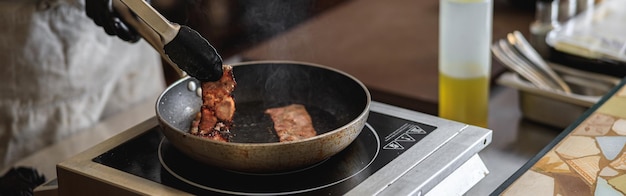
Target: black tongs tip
195,55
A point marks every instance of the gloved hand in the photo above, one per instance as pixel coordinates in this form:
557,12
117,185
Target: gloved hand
20,181
104,15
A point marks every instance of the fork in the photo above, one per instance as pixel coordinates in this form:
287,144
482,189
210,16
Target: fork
505,54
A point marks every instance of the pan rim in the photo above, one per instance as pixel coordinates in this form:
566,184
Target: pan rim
354,121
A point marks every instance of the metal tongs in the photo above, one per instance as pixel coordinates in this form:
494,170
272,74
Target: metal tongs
182,47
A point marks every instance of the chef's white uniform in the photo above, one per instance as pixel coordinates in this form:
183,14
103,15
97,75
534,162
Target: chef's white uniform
60,73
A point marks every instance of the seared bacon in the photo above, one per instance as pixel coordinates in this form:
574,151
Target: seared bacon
292,122
218,107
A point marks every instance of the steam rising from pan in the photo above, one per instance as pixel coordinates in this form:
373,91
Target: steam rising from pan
287,83
270,17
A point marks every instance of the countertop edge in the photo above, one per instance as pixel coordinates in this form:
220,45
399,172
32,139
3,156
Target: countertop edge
531,162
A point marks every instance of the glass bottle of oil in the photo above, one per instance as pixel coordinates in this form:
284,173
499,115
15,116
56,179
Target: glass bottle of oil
465,28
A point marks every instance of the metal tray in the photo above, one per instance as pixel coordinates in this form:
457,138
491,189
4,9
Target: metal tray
555,108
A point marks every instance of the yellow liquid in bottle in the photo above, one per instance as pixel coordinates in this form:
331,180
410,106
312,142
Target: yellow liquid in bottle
464,99
465,28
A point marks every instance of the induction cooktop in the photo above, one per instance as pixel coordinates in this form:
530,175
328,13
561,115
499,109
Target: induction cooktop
398,151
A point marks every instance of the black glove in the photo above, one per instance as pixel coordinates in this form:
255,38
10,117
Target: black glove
20,181
103,14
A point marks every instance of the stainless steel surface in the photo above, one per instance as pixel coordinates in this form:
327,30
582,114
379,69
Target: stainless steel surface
504,53
166,29
463,179
557,108
147,33
546,20
518,55
79,175
459,143
449,157
528,52
425,164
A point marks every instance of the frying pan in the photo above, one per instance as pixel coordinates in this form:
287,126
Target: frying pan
337,103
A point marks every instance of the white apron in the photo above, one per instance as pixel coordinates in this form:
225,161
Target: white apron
60,73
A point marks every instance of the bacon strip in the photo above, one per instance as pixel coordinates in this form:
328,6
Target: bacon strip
292,122
218,107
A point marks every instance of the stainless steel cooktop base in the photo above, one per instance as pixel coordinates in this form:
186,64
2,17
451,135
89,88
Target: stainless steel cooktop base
438,162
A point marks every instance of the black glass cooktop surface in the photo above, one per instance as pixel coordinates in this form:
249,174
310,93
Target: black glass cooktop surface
150,156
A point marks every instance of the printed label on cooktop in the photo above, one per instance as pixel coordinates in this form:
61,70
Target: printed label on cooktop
404,137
